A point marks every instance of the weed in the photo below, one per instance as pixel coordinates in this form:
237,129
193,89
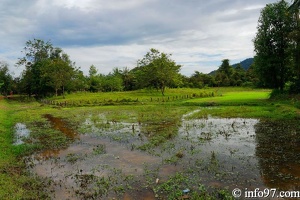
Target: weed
72,158
99,149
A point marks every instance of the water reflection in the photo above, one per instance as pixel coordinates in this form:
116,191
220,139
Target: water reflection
21,133
62,126
278,153
217,152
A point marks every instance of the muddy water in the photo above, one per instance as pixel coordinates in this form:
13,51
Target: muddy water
106,162
61,125
278,153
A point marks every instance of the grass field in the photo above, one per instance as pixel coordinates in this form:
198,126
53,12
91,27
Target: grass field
144,106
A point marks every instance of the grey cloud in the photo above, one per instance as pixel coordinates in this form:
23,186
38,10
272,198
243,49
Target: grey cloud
194,27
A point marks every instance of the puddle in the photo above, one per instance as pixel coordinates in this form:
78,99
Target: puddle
107,162
21,133
61,125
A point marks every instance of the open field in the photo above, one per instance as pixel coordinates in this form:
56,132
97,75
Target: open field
125,145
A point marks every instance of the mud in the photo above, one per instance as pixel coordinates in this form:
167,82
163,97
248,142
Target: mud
106,162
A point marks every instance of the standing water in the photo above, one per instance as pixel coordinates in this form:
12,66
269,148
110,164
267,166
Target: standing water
117,160
21,133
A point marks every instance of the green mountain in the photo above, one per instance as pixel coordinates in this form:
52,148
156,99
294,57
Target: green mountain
245,64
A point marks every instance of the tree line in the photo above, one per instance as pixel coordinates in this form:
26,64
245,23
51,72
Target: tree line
49,70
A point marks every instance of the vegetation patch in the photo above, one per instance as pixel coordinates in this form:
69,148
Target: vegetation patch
173,133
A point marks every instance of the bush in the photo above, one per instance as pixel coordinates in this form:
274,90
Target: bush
295,87
279,94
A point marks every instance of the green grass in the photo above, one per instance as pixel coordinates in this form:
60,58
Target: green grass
14,183
7,157
236,97
131,97
134,106
231,102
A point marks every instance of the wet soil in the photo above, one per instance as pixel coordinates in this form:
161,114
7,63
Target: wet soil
105,161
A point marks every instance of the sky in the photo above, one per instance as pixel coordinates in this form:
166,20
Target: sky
198,34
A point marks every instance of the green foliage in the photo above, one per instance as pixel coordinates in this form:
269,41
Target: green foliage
158,71
47,68
273,46
58,72
200,80
112,82
295,37
6,79
228,76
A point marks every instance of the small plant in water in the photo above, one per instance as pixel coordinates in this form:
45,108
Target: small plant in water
99,149
179,154
72,158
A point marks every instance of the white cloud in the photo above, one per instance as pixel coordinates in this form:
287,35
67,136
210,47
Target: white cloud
117,33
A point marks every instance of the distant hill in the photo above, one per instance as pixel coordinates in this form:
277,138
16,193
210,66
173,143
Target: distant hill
245,64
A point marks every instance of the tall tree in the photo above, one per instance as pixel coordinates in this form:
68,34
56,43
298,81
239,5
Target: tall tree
112,82
295,35
47,68
79,81
238,76
5,79
158,70
273,46
37,53
224,73
200,80
128,79
59,71
94,79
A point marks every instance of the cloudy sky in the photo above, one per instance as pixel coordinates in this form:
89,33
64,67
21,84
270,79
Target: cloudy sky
116,33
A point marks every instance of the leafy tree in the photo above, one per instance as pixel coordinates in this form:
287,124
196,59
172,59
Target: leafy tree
112,82
46,68
79,81
200,80
59,71
251,78
128,78
224,73
273,46
94,79
158,70
36,56
5,79
238,76
93,71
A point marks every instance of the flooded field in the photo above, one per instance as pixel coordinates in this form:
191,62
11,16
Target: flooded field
121,160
